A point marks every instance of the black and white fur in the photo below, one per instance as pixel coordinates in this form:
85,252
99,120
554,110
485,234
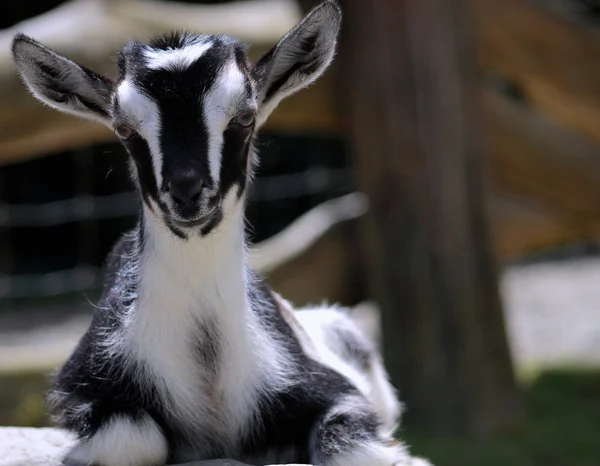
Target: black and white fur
190,355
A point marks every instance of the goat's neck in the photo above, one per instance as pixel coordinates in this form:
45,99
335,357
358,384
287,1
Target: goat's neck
193,295
202,275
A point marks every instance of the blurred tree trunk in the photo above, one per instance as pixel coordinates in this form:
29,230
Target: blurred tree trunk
411,80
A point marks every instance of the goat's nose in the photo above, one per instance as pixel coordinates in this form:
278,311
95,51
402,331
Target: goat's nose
185,186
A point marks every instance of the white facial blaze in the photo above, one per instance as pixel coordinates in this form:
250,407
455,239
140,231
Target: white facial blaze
176,59
144,115
220,105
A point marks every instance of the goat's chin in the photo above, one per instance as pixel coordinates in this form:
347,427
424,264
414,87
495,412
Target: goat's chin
199,220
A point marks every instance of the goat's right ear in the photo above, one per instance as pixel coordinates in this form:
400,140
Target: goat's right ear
62,83
299,58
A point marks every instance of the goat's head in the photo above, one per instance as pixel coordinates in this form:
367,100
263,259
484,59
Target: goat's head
186,107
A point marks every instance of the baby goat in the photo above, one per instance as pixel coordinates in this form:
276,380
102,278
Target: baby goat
190,355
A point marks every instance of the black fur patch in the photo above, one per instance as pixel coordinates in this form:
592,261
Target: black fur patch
235,151
92,106
176,40
48,70
243,64
260,72
140,153
180,233
208,346
209,226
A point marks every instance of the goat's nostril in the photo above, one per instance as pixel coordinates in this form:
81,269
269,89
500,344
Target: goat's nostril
185,190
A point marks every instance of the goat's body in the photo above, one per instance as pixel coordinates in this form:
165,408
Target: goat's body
189,345
190,356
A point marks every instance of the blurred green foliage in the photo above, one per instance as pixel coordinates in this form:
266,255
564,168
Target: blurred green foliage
563,428
22,401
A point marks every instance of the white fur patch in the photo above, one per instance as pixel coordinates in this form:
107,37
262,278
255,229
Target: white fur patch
220,105
144,115
416,461
316,323
321,324
123,442
176,59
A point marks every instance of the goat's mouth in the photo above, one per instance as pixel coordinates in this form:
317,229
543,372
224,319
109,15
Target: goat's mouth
192,215
199,220
191,223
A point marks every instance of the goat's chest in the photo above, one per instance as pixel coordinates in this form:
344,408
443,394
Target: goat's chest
186,360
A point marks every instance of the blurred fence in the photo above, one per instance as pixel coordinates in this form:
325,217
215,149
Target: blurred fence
288,184
540,113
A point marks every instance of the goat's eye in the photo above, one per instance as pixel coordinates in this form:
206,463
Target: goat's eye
124,131
244,119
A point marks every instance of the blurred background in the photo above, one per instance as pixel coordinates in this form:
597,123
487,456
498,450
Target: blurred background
443,178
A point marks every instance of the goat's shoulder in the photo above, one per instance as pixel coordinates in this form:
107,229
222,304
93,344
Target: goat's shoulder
288,417
339,339
94,382
343,341
316,332
90,372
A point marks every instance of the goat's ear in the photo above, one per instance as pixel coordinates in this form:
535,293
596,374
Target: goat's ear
61,83
299,58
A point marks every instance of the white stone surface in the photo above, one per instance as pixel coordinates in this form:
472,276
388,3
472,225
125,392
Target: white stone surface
32,447
46,447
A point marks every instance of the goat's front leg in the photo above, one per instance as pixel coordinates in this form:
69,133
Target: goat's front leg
349,435
123,440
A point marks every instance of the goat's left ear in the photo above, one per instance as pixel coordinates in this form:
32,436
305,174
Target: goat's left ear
60,82
299,58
